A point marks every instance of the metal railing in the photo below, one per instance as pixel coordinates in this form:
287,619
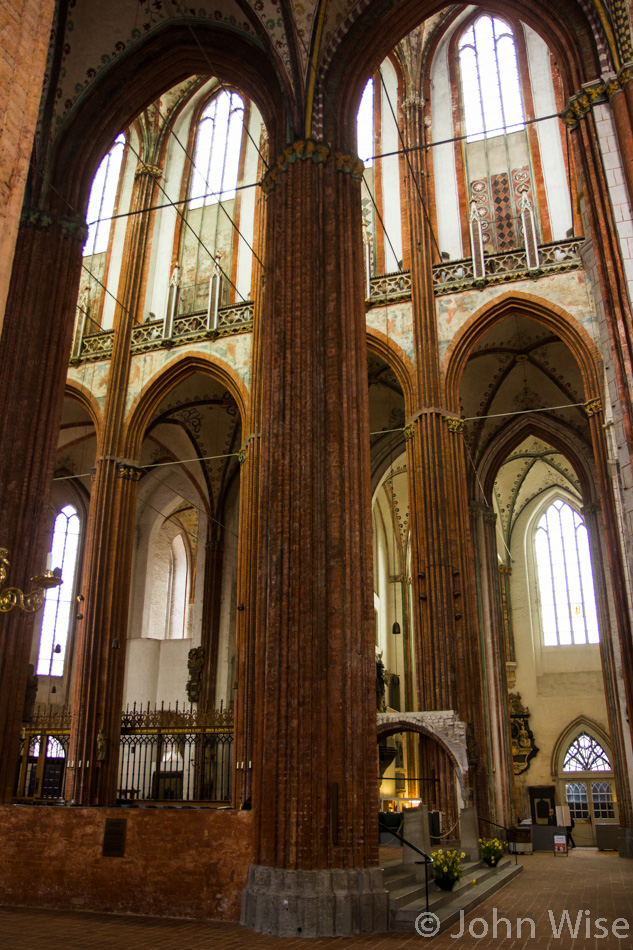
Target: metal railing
427,859
165,755
508,838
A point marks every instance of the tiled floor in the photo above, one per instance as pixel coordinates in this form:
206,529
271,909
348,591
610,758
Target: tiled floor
596,884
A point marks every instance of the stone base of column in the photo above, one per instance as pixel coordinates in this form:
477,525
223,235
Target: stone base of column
625,842
327,903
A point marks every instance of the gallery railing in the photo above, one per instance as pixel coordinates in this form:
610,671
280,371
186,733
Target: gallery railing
175,755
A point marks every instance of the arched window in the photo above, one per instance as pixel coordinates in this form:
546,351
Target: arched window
177,590
491,89
586,755
217,152
59,600
587,777
565,583
102,198
365,125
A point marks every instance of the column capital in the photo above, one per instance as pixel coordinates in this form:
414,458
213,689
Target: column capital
593,406
302,150
71,226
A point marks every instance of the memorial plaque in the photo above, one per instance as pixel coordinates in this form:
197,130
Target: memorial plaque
114,838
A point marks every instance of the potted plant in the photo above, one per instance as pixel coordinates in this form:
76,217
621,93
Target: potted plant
447,868
490,850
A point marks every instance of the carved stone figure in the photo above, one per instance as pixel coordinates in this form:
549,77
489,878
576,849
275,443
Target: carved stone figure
29,696
102,746
195,663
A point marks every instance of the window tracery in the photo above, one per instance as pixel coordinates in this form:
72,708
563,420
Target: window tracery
585,754
491,89
564,578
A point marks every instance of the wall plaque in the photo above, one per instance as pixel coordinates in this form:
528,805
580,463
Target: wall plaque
114,838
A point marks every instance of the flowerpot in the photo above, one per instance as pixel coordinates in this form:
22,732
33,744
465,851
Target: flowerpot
445,884
491,862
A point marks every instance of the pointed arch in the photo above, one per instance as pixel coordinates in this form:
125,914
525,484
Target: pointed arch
548,430
154,64
174,373
77,391
542,311
397,361
570,732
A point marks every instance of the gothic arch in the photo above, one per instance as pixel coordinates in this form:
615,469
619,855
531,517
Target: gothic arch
520,428
156,63
176,372
77,391
548,314
397,360
371,38
580,724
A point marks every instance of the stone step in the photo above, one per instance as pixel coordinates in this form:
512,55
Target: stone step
447,905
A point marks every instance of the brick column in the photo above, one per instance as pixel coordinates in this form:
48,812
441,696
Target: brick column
24,43
245,709
445,610
484,528
34,353
101,636
315,769
616,682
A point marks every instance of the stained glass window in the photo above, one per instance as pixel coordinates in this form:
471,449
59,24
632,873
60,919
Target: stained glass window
586,755
491,89
217,153
102,198
59,600
565,582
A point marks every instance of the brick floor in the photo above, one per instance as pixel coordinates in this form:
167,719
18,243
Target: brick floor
598,882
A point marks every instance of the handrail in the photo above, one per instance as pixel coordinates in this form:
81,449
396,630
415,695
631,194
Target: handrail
427,858
503,828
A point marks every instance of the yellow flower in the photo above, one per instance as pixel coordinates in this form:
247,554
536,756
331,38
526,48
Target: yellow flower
463,854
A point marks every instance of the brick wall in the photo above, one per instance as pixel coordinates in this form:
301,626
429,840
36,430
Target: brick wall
177,862
24,36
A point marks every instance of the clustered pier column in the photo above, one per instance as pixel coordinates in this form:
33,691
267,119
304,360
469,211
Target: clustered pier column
315,768
445,609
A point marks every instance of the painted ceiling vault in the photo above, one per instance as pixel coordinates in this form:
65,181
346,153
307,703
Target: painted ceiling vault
523,382
300,37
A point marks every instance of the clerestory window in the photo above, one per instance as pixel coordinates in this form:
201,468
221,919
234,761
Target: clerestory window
102,199
365,125
565,582
217,153
56,613
490,84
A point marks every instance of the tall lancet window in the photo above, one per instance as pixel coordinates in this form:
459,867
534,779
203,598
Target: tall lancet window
217,153
58,603
565,582
365,125
102,198
491,89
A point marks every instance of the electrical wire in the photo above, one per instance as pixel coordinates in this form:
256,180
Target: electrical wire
408,161
184,219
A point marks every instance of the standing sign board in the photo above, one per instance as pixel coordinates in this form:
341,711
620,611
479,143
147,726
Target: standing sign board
560,844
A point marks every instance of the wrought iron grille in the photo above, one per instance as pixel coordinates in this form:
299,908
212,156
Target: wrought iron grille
177,755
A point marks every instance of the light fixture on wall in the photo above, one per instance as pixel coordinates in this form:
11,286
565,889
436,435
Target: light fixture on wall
11,597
